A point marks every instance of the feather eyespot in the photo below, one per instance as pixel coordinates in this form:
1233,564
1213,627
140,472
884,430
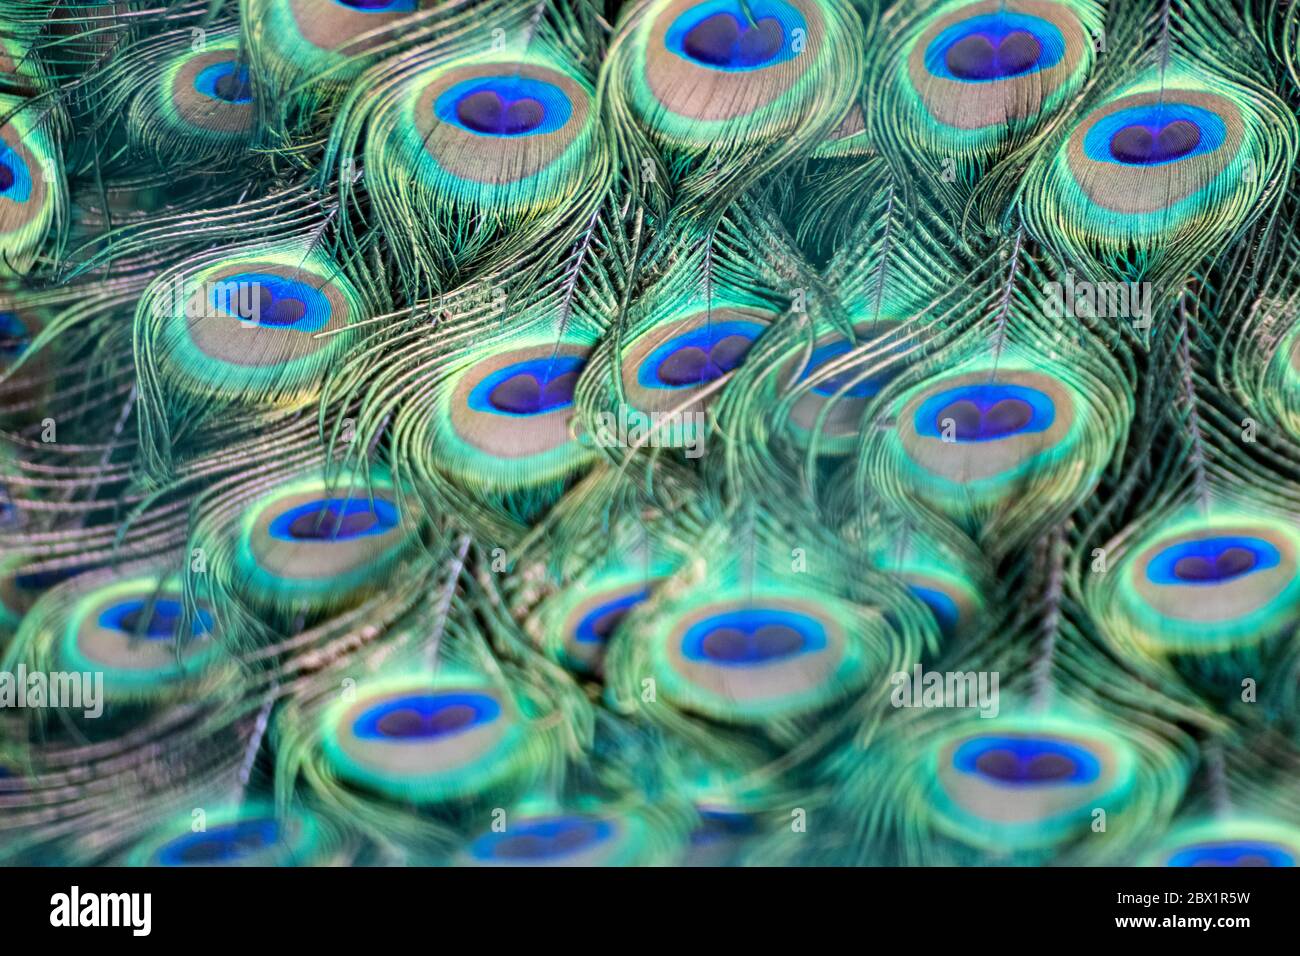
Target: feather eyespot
1026,761
221,844
1023,436
578,624
1161,168
32,188
159,622
379,6
543,840
602,621
834,405
1234,841
744,662
698,356
15,178
680,353
1029,785
1203,585
137,632
425,716
505,106
531,387
985,412
752,637
245,327
14,334
998,46
312,542
247,834
505,416
1154,134
974,75
724,74
722,35
428,741
1233,853
226,81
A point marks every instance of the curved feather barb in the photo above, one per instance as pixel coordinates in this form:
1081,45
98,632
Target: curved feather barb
659,432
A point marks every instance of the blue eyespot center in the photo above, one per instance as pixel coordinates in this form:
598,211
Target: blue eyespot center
426,716
941,606
1154,134
270,300
979,413
1026,761
227,82
40,580
718,825
15,178
699,356
981,57
14,336
722,40
1214,560
488,112
600,623
1232,853
1146,145
726,35
336,519
753,636
220,844
532,387
862,388
995,46
162,622
546,839
379,6
504,106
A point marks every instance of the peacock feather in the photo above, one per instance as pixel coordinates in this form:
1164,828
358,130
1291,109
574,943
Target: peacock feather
650,432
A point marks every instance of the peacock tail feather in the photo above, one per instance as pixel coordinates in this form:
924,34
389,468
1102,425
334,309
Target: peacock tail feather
660,432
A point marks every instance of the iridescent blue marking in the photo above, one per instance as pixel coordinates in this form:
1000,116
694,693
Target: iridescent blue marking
379,6
719,825
719,35
1021,761
943,607
1232,853
929,416
40,580
752,637
653,373
528,388
863,388
1099,144
425,716
272,300
525,106
162,625
221,844
209,83
14,335
551,838
1218,559
977,51
335,519
15,177
606,616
